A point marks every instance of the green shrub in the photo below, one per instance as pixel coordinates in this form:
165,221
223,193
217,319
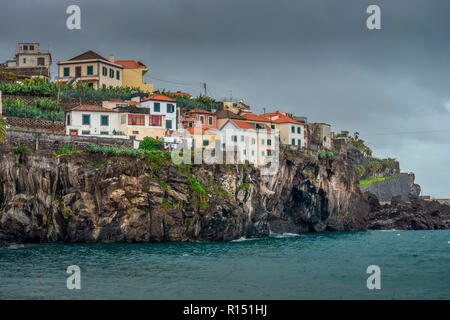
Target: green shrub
244,185
150,144
67,149
20,150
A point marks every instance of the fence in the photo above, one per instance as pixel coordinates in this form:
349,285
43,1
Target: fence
54,142
37,124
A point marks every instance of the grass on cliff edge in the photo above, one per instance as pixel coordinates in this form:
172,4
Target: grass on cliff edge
370,180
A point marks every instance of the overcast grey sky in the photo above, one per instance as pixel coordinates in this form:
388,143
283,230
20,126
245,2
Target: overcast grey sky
312,57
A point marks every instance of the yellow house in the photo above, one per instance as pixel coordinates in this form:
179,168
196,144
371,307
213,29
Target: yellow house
203,138
133,75
137,123
92,69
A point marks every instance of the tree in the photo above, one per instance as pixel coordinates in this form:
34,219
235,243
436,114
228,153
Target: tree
2,130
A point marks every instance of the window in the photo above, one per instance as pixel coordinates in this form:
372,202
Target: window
262,141
104,133
25,47
123,119
299,142
135,132
105,72
293,142
293,129
90,70
41,61
132,137
269,152
242,138
210,120
169,124
253,140
85,132
253,152
111,73
104,120
244,152
68,119
170,108
262,153
234,138
157,107
24,60
86,120
66,72
269,142
299,130
202,119
155,121
31,47
272,126
118,75
136,120
205,142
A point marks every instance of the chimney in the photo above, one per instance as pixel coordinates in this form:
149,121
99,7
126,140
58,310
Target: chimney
111,58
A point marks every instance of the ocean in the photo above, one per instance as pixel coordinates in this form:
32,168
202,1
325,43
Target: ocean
413,265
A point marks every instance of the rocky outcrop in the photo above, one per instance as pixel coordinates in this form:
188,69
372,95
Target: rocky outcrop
401,185
414,215
93,198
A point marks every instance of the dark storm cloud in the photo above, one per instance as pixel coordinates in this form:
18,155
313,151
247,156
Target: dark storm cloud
315,58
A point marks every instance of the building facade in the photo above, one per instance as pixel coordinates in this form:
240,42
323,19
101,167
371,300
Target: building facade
133,75
30,61
199,117
291,132
162,105
92,69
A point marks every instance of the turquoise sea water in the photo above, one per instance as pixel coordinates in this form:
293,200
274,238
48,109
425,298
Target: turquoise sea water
414,265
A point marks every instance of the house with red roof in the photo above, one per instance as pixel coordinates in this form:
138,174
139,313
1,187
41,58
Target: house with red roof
124,121
291,132
198,117
253,142
161,105
133,75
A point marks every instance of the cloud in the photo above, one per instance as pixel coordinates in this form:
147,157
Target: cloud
312,57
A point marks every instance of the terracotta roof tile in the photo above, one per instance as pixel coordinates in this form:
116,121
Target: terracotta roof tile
91,108
131,64
160,97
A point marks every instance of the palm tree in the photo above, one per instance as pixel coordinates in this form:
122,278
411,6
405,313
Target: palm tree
2,130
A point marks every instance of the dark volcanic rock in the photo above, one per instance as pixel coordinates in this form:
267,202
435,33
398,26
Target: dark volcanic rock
93,198
415,215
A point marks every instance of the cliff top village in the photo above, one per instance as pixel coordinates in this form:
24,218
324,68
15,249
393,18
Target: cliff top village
97,97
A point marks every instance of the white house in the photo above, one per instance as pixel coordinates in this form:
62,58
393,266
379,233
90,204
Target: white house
291,132
255,144
162,105
92,120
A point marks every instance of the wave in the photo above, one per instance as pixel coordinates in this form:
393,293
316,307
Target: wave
283,235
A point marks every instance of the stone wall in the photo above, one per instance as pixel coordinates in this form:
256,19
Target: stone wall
57,127
65,103
54,142
402,185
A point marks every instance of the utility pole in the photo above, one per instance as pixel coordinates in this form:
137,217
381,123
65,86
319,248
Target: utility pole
204,86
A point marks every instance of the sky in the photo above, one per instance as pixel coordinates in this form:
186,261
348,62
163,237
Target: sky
314,58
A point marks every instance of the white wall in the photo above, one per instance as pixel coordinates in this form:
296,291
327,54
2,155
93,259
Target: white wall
163,111
95,127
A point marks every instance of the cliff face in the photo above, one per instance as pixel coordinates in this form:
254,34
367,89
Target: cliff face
90,198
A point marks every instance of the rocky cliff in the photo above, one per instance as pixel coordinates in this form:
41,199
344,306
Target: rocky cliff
95,198
85,197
